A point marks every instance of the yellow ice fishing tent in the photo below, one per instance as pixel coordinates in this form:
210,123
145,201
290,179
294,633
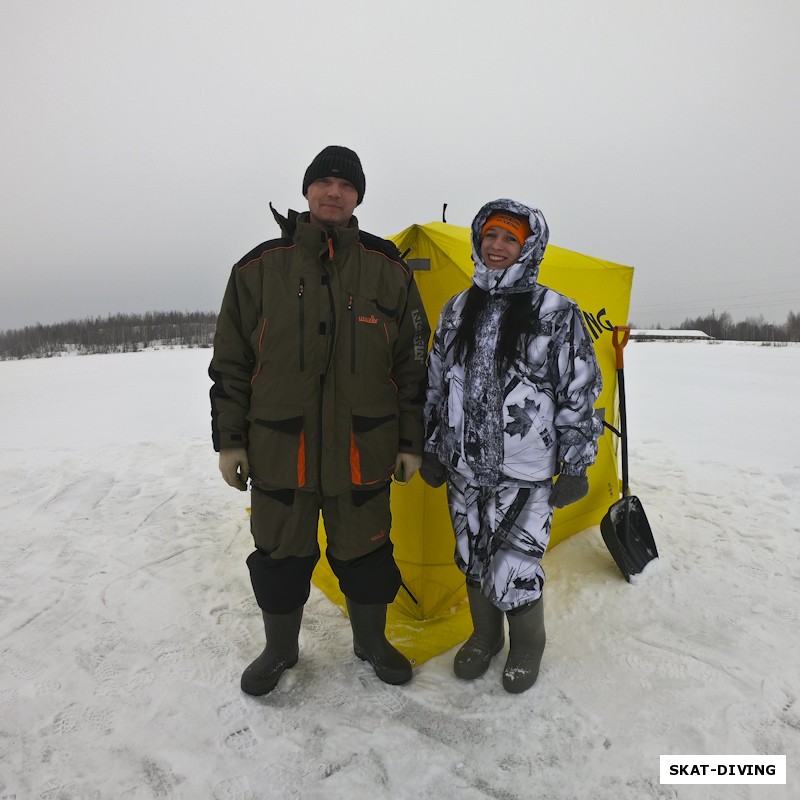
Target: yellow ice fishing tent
430,614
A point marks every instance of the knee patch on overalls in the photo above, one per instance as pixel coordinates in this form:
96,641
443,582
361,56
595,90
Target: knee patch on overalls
280,584
373,578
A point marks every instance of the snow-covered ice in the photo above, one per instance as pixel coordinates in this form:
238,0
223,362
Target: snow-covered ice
126,614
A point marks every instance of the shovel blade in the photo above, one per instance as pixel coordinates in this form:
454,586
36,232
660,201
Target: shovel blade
628,537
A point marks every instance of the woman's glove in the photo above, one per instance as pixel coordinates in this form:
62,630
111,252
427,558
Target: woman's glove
432,470
568,489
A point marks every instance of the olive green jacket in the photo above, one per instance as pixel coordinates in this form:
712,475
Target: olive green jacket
319,359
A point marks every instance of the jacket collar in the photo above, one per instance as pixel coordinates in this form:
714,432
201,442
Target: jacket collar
297,226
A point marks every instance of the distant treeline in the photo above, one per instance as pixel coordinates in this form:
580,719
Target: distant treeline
126,333
118,333
750,330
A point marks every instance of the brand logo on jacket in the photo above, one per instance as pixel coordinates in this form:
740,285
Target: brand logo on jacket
370,320
420,342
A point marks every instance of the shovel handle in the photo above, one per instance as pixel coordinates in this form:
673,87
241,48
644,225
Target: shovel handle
619,344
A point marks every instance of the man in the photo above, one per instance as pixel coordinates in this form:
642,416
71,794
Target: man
319,383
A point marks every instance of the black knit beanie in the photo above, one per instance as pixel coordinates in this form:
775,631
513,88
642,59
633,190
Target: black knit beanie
336,162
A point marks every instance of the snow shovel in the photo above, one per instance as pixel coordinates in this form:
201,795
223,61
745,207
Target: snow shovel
625,528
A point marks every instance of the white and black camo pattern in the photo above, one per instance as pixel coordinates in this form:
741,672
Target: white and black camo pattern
483,420
501,535
498,436
483,400
546,413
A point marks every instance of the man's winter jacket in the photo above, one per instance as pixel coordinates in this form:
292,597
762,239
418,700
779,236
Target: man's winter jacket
319,359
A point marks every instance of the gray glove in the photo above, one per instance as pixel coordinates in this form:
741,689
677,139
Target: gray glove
432,470
406,465
234,467
568,489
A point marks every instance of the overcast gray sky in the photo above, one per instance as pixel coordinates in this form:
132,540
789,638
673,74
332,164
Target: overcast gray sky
141,141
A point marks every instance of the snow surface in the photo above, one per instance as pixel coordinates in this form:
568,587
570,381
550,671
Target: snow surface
126,614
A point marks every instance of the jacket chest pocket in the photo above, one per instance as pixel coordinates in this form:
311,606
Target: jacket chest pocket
283,341
372,333
301,324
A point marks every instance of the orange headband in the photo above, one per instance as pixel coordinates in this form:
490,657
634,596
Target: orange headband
518,228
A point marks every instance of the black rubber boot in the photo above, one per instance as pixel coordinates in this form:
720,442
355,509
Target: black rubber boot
280,654
370,643
526,636
487,639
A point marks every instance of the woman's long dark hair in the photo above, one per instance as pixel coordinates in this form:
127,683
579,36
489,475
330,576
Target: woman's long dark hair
518,322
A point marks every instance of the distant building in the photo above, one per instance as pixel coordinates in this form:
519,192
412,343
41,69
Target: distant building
668,336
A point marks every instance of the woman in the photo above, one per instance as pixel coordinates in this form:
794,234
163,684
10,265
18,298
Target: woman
512,381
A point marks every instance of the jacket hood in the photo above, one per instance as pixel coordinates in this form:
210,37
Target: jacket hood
520,276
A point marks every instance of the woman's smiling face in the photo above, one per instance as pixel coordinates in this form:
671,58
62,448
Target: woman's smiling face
499,248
